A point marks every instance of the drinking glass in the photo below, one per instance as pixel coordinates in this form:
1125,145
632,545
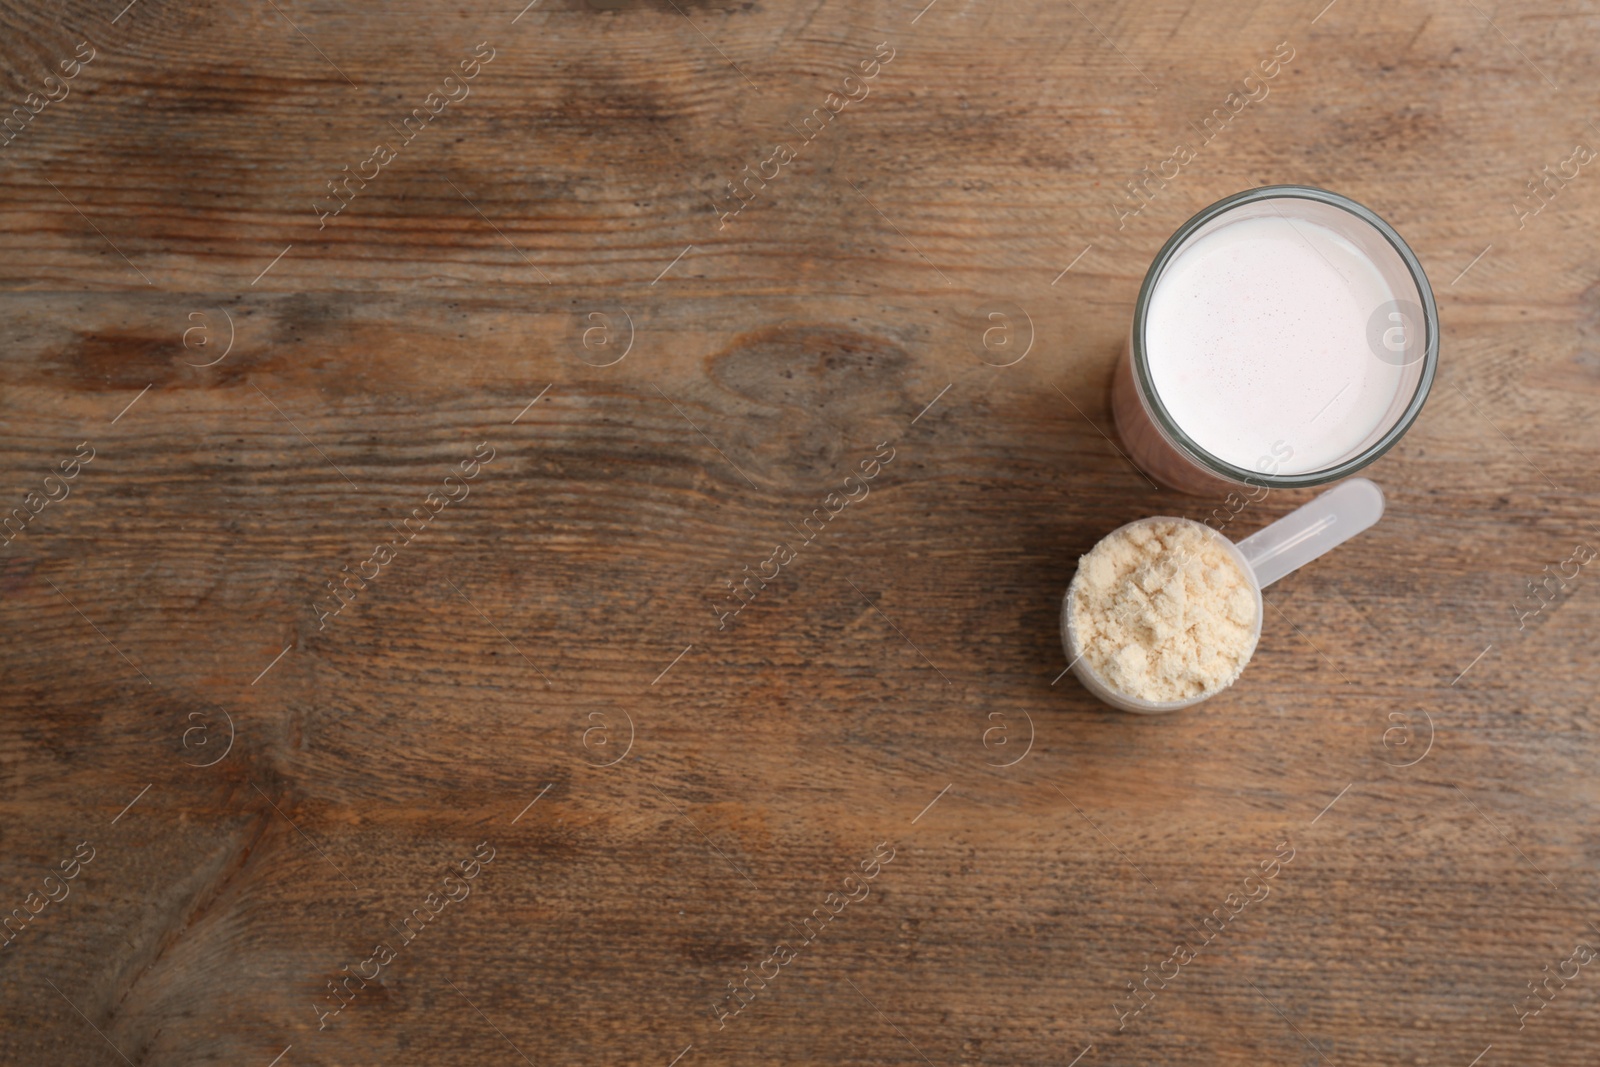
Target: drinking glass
1403,332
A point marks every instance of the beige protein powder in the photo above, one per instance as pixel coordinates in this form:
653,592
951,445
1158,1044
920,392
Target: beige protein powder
1163,612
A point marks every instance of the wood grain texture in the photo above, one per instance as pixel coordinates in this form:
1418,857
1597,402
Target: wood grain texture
1425,753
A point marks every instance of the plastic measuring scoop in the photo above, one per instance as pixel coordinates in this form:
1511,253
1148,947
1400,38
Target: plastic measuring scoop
1265,557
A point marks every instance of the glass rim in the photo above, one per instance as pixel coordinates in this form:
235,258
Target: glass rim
1215,465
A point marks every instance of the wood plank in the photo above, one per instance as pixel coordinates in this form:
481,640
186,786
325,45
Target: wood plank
546,271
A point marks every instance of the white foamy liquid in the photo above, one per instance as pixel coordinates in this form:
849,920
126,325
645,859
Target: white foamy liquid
1257,334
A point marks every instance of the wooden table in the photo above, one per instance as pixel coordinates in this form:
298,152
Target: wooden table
449,320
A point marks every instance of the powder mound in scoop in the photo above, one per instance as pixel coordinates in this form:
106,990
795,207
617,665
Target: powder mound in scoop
1164,612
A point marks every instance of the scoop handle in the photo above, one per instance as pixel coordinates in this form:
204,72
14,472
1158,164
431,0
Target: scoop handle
1312,529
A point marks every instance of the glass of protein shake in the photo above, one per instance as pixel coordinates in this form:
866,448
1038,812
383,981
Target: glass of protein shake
1284,337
